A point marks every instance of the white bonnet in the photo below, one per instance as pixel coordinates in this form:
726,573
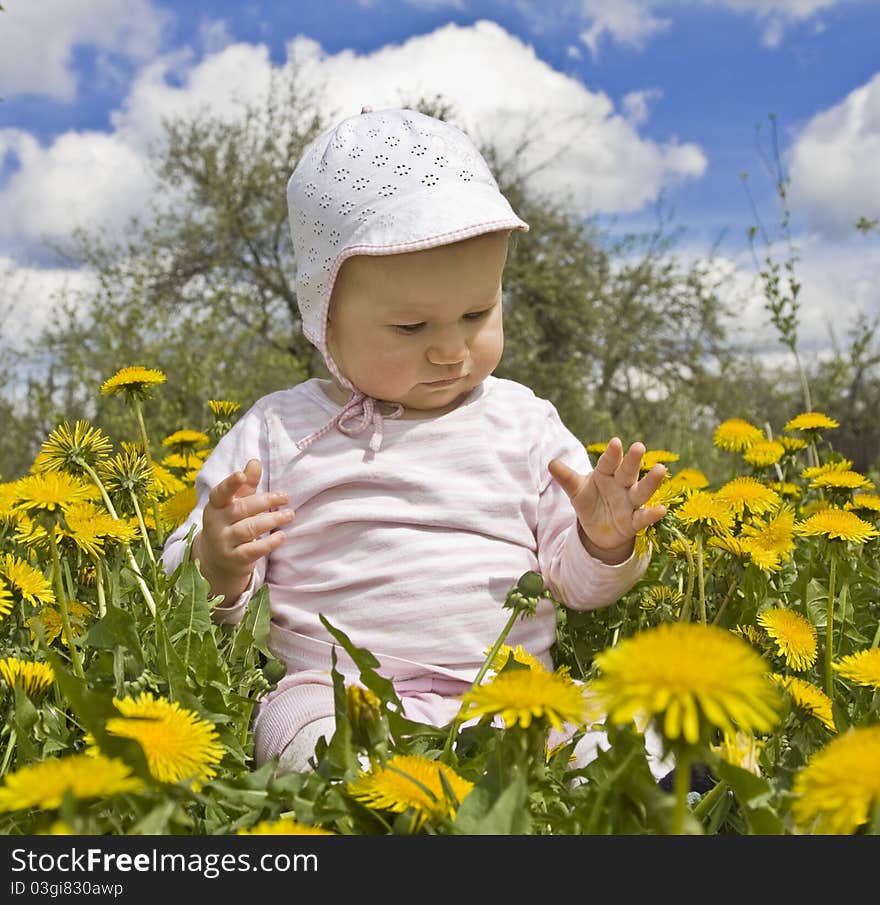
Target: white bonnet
381,183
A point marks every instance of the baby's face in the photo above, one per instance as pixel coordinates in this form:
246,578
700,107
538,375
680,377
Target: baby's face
421,328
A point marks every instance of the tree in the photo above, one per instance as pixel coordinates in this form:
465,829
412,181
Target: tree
620,336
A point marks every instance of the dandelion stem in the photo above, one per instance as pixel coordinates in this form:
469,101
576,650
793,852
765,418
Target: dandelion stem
685,613
138,577
700,577
680,787
144,533
453,729
829,627
63,605
99,586
727,598
7,754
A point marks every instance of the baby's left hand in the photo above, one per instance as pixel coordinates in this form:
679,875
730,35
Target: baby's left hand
608,501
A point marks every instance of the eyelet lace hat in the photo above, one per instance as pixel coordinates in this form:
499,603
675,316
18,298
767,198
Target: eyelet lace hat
382,183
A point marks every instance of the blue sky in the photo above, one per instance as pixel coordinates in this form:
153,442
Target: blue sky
626,101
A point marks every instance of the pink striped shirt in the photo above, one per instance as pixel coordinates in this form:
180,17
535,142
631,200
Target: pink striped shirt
412,550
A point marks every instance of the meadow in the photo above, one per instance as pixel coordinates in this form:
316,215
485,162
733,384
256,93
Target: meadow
751,646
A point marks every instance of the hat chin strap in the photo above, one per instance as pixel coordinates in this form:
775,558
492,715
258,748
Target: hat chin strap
356,416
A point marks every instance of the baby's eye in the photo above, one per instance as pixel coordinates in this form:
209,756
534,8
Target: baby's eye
477,315
409,328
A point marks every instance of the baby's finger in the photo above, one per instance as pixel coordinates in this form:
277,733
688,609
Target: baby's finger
567,478
252,472
251,530
643,491
644,518
223,494
630,467
611,457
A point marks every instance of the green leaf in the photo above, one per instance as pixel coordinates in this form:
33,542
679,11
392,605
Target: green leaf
755,796
115,630
92,710
507,815
252,633
23,720
367,664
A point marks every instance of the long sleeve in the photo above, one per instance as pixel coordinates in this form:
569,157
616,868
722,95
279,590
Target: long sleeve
248,439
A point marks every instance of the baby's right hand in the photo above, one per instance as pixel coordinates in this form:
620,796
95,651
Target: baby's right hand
239,526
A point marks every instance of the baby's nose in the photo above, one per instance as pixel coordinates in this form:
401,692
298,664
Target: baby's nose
448,349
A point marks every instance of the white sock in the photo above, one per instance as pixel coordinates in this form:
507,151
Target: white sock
295,756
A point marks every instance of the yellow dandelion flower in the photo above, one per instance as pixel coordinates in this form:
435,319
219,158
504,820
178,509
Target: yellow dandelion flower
680,549
811,421
689,479
862,667
521,696
764,453
774,537
708,510
842,480
840,524
133,381
128,472
748,495
182,461
184,440
411,781
6,599
730,544
836,465
669,494
751,634
690,677
793,444
661,595
87,522
786,489
177,507
814,507
32,677
165,482
71,449
30,583
52,491
178,743
794,636
837,792
8,499
868,502
736,435
741,749
808,698
49,620
44,784
223,408
597,448
653,456
284,827
519,654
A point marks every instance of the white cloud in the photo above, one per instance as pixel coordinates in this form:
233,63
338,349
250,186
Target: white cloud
838,281
83,179
629,22
580,149
835,163
634,22
635,104
28,294
38,39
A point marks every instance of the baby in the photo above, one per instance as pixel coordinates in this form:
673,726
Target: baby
402,498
